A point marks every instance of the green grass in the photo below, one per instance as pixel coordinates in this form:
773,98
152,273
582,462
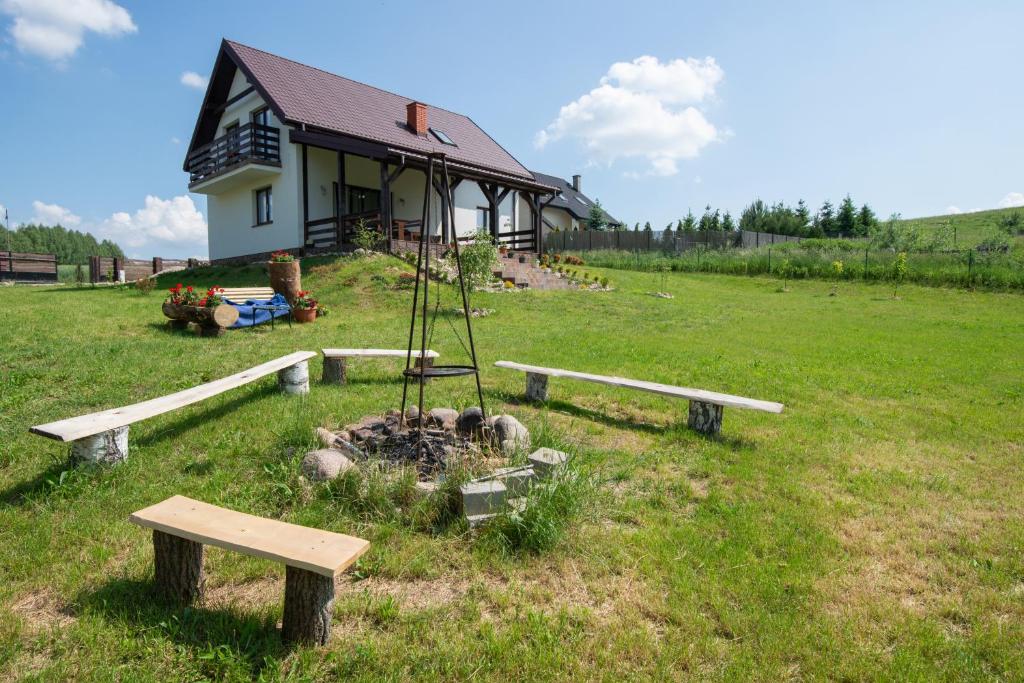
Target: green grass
971,228
872,531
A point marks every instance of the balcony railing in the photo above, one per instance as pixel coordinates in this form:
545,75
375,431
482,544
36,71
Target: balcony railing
251,142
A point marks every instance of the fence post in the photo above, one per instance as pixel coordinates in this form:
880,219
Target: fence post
769,260
970,264
865,264
158,264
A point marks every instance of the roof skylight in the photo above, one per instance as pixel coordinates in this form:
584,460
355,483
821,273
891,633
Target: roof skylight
443,137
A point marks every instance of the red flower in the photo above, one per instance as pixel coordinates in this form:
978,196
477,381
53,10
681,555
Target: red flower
202,302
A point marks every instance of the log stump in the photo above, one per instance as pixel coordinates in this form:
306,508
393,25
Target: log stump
424,362
286,279
294,379
536,387
179,567
210,331
104,448
178,324
308,606
334,371
705,418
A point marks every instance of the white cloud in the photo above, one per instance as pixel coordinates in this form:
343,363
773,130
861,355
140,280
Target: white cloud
53,214
194,80
953,209
175,140
158,225
55,29
1012,199
643,109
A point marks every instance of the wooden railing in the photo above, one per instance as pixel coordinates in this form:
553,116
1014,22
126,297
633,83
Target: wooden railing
249,142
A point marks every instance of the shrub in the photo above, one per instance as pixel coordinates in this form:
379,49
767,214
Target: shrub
573,260
604,282
366,237
479,259
144,286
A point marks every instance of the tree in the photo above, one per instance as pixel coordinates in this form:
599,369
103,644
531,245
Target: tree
596,218
709,220
846,218
753,216
803,216
636,228
647,226
826,219
69,246
689,223
727,223
866,221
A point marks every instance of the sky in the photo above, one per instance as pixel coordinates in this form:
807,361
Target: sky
663,107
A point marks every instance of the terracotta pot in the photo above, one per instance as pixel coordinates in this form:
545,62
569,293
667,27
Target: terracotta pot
286,279
304,315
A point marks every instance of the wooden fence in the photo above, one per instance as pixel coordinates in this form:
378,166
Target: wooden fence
21,267
107,269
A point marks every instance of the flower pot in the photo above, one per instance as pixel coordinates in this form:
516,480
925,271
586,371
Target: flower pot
285,278
304,315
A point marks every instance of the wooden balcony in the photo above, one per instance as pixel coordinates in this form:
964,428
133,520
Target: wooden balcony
242,155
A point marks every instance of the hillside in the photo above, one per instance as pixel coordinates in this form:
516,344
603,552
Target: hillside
971,228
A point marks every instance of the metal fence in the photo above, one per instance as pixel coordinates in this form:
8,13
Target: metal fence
658,240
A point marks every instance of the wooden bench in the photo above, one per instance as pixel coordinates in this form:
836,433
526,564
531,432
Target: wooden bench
312,558
242,294
103,436
706,407
335,360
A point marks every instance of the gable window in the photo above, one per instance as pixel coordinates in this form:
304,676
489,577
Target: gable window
483,218
264,206
443,137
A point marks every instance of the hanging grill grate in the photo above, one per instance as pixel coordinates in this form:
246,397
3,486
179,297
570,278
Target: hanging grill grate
436,165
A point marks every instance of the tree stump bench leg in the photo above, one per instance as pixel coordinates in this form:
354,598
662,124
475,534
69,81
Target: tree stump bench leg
210,330
179,567
294,379
536,387
178,324
104,448
335,371
705,418
308,606
425,363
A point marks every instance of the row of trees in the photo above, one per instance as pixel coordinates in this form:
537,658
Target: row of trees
845,221
70,246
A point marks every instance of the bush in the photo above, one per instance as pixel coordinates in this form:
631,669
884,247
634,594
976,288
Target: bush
479,259
145,285
366,237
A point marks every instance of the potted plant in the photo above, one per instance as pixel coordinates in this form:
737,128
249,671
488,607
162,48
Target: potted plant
305,308
212,314
176,303
285,275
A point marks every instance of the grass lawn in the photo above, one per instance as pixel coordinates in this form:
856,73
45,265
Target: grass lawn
971,228
874,530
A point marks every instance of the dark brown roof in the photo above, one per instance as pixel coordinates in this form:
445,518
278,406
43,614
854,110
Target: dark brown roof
303,94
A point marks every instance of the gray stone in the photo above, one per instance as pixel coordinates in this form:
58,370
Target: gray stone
412,416
443,417
470,421
546,461
324,464
483,497
510,434
425,488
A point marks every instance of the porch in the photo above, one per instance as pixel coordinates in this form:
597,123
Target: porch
345,181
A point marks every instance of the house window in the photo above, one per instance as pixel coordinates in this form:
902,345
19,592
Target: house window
261,117
443,137
264,206
362,199
234,139
483,218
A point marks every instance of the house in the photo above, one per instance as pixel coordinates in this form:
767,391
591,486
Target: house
291,157
569,210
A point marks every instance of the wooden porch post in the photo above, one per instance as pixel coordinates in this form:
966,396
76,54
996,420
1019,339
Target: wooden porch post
342,199
385,201
305,196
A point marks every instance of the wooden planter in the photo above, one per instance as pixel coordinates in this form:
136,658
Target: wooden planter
304,315
286,279
211,321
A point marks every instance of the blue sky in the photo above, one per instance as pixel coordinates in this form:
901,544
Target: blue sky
914,107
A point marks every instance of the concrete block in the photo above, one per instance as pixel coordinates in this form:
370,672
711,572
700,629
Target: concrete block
516,479
546,461
483,497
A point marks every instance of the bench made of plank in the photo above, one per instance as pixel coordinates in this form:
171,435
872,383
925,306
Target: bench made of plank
335,360
103,436
312,557
705,406
242,294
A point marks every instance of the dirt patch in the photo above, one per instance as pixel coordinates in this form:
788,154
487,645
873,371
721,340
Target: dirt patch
264,591
43,610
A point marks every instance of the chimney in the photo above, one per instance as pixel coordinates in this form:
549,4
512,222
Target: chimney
576,182
416,117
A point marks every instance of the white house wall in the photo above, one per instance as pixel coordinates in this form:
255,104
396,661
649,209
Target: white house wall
232,215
